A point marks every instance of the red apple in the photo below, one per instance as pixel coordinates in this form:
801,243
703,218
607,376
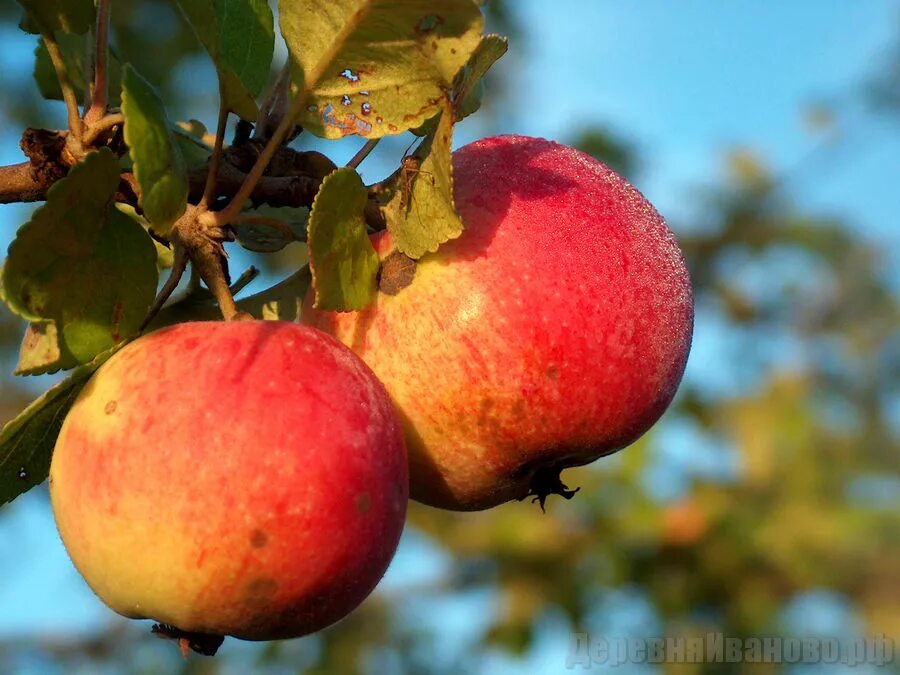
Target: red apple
245,479
555,330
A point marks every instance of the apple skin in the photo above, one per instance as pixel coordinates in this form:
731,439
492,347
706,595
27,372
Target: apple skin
245,479
555,330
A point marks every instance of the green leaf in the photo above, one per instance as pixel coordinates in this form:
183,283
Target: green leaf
43,351
82,263
240,37
281,302
343,262
27,441
74,54
420,212
68,16
263,237
189,139
158,165
466,92
374,67
165,255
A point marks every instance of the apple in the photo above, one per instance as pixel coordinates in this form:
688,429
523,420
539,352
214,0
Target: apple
554,331
242,478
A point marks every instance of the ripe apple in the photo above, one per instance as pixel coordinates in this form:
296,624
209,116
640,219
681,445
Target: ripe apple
555,330
244,478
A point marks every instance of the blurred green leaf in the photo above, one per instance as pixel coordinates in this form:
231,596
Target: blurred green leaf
276,228
68,16
74,54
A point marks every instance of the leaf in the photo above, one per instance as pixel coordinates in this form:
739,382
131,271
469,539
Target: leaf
420,213
158,165
189,139
42,350
74,54
165,255
68,16
343,262
373,67
81,263
239,36
466,95
263,237
27,441
281,302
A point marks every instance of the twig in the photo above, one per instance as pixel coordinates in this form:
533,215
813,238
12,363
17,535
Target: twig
247,276
275,97
178,267
236,205
100,88
364,151
94,129
209,190
76,126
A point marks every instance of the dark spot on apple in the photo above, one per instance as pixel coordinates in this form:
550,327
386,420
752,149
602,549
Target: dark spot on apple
552,372
396,273
260,589
518,407
110,407
258,538
363,502
484,411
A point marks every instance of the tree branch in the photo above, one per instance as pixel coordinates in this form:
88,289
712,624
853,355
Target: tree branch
29,181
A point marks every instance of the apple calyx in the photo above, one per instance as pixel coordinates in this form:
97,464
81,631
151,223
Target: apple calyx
546,482
206,644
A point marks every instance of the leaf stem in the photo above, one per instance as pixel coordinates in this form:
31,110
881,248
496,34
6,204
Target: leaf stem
94,129
244,280
100,88
178,267
311,79
209,191
363,153
76,126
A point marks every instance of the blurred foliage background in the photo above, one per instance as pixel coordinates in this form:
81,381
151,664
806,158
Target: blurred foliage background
764,508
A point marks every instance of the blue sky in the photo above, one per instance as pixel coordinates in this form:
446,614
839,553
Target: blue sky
684,81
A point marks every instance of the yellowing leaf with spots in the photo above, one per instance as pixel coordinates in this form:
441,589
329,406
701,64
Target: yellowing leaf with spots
376,67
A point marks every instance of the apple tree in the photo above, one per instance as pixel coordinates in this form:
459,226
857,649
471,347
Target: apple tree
148,203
